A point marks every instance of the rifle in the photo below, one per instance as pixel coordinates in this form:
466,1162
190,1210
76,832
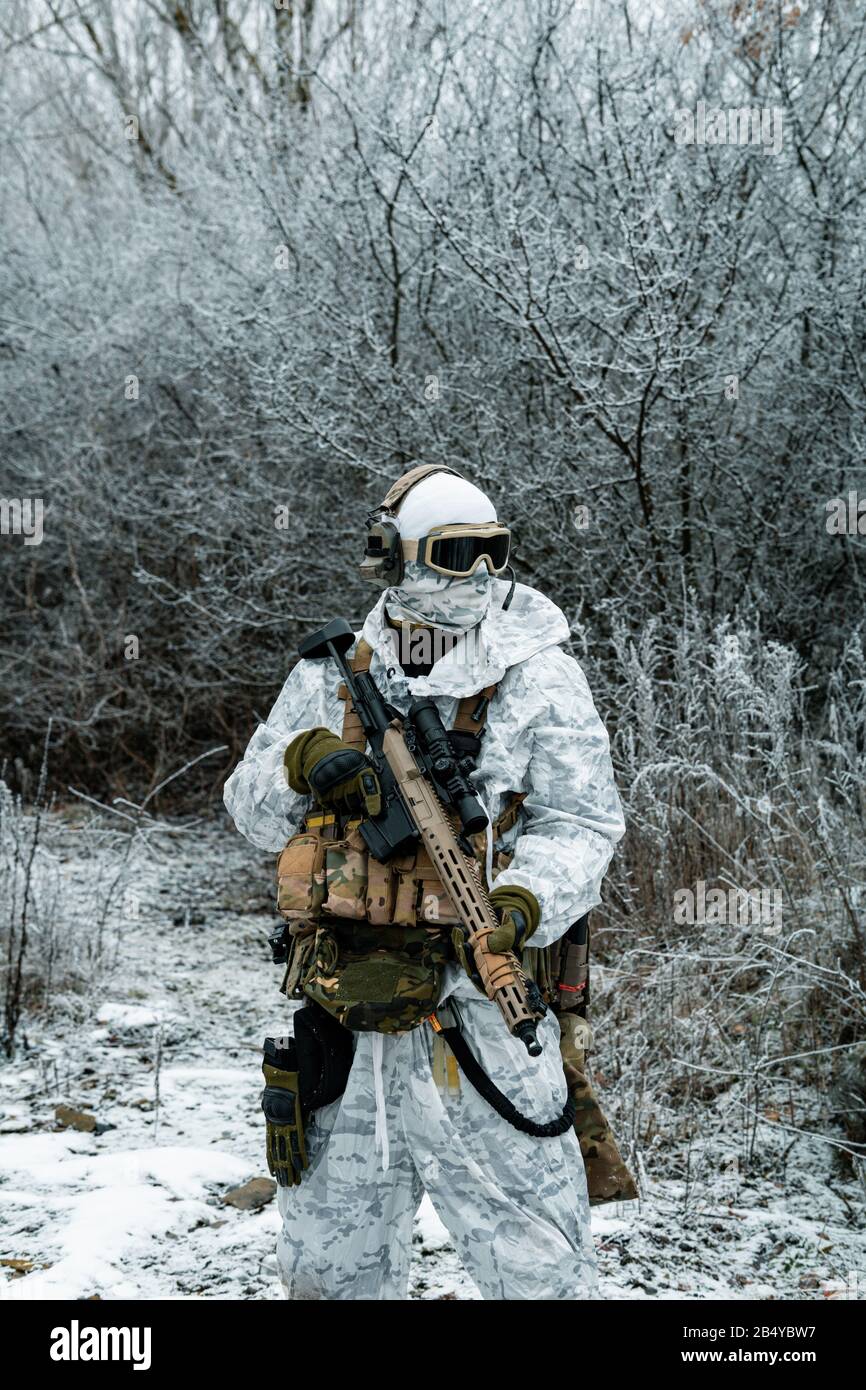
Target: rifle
417,773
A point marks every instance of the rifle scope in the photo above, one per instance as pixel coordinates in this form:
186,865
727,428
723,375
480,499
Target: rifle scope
436,747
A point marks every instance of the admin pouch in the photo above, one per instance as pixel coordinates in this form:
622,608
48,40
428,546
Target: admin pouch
379,979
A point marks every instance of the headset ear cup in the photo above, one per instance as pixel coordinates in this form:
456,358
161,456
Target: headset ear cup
383,554
396,566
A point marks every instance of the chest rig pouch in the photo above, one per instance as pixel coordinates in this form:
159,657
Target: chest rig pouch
369,941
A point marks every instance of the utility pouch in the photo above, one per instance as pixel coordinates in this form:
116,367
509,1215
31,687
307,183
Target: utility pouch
302,943
346,877
300,877
376,979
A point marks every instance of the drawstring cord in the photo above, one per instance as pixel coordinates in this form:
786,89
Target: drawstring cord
379,1089
488,848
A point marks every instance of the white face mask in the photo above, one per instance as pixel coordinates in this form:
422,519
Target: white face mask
455,605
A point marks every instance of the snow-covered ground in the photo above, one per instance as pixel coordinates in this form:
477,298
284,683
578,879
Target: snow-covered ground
166,1057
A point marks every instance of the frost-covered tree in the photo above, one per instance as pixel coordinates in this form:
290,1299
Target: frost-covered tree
259,256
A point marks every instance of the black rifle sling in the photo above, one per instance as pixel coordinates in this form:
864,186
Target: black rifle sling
489,1091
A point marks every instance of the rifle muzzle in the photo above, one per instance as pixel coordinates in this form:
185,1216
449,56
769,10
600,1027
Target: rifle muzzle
528,1036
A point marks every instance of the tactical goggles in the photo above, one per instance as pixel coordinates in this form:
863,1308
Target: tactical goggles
458,550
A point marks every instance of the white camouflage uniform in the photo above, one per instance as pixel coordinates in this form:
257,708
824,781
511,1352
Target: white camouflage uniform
516,1206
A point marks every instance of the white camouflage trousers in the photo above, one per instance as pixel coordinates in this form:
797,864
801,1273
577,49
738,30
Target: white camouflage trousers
515,1206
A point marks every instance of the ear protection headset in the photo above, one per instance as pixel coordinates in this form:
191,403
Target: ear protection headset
383,554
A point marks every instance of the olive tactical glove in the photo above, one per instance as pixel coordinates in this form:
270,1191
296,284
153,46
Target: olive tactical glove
320,764
286,1149
519,915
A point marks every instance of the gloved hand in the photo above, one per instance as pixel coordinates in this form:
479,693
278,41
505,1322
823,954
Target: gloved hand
319,763
286,1149
519,914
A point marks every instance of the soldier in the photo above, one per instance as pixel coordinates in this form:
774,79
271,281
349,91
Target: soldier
375,946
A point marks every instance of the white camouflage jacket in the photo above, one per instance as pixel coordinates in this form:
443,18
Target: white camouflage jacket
543,737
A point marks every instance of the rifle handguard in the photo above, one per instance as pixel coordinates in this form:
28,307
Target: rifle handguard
501,974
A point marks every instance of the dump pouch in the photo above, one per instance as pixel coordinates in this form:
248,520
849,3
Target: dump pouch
325,1052
302,1073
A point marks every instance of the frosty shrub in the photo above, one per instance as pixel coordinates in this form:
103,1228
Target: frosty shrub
62,898
30,891
726,783
69,885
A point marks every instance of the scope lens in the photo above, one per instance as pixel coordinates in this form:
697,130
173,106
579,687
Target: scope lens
472,818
